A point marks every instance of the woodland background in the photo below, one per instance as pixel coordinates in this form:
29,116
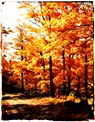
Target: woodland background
53,51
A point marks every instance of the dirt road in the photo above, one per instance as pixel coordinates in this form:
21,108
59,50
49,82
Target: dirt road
17,106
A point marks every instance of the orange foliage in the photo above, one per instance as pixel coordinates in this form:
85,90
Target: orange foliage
56,26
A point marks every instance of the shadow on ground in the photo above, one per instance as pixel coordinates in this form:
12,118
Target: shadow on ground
21,96
67,111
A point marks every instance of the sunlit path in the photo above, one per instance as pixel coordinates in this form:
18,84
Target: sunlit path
17,107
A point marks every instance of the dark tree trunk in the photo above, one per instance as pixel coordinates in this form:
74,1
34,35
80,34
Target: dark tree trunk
22,82
63,55
51,81
86,75
64,84
22,75
69,85
43,64
69,79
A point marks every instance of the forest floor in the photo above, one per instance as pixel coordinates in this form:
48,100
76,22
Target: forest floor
17,106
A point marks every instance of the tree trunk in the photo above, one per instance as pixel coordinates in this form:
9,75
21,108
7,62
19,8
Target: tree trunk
63,55
22,82
43,64
69,79
51,82
64,84
69,85
22,75
86,75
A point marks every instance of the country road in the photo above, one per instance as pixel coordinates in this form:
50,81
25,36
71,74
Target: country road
17,106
